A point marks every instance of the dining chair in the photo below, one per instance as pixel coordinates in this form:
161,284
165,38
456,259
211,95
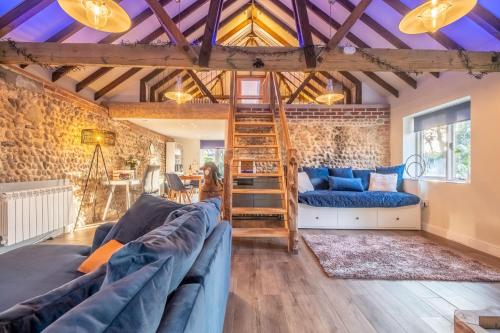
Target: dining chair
177,187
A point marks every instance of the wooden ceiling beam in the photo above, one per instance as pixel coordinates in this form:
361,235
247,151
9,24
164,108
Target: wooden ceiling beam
92,78
486,20
171,29
144,80
304,31
358,96
282,59
382,83
202,86
348,24
20,14
289,84
116,82
301,87
210,34
124,111
438,36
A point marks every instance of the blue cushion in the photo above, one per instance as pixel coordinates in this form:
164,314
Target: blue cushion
36,314
364,175
341,172
349,199
318,177
100,233
34,270
210,207
132,304
181,239
397,169
345,184
186,311
146,214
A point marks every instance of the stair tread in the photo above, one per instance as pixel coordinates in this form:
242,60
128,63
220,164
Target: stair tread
254,123
260,232
255,146
254,175
257,210
255,134
257,159
258,191
254,114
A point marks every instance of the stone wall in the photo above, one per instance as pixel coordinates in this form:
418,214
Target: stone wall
40,137
350,135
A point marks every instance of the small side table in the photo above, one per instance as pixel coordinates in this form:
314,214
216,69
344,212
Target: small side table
113,184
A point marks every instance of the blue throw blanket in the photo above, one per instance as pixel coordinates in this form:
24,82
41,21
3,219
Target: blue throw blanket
367,199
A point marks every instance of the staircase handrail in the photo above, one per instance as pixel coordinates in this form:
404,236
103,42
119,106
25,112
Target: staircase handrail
228,154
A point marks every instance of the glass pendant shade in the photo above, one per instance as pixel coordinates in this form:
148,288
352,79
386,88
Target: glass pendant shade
178,95
103,15
334,93
435,14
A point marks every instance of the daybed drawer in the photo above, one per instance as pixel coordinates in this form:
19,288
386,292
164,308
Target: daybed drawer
357,218
317,217
400,217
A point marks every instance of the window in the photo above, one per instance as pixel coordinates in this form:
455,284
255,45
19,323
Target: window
443,141
212,151
250,90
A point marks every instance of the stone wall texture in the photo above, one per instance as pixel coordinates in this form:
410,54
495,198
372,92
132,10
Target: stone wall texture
40,138
341,136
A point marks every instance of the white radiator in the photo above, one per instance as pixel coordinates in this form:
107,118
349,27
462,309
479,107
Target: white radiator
27,214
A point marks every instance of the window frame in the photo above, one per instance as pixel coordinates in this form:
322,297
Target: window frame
450,156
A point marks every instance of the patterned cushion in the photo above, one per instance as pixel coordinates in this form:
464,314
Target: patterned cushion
382,182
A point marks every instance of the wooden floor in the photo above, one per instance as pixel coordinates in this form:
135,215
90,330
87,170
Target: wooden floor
273,292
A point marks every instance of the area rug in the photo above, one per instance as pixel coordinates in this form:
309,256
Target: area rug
395,257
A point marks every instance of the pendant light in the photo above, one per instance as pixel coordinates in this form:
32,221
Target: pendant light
334,92
103,15
178,95
435,14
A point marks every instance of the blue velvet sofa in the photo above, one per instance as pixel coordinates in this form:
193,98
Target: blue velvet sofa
173,275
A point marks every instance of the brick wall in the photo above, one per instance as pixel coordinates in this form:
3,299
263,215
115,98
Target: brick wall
350,135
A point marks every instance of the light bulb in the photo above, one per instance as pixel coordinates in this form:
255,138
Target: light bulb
434,17
97,12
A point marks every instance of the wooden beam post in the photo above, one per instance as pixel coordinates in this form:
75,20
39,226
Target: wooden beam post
161,110
173,32
211,28
304,31
201,86
300,88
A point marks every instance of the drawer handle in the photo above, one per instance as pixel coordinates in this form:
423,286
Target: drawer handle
317,217
357,218
397,218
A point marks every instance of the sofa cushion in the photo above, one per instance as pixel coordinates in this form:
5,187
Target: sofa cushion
181,239
364,175
132,304
100,256
340,172
36,314
349,199
397,169
185,311
383,183
34,270
146,214
304,183
345,184
318,177
100,233
210,208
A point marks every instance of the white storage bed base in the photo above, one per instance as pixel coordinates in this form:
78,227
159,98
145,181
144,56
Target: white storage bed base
407,217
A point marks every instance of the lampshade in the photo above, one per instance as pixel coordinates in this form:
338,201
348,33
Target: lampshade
333,94
178,95
103,15
435,14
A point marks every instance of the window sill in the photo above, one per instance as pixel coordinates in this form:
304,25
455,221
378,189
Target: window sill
438,180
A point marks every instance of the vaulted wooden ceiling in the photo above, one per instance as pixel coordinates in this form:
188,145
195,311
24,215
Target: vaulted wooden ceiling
361,23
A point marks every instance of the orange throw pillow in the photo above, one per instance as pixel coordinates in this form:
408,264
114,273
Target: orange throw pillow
100,256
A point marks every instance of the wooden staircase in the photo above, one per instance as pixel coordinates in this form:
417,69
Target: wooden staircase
257,192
